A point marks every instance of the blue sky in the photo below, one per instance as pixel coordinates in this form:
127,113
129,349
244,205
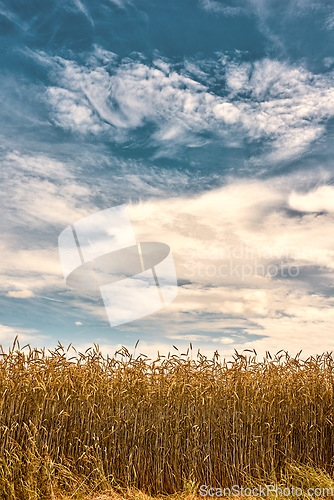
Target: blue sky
213,121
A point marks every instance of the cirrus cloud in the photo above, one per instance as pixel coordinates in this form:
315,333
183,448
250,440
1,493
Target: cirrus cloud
278,108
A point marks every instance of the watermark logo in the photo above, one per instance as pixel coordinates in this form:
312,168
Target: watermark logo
101,252
270,490
243,262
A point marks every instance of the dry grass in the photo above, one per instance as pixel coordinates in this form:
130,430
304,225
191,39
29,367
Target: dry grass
132,494
90,423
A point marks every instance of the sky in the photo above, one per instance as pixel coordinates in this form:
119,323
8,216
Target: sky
212,121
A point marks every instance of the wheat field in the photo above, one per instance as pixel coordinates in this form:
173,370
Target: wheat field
75,423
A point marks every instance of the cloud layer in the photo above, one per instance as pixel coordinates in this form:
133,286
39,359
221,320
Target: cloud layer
253,258
242,253
277,108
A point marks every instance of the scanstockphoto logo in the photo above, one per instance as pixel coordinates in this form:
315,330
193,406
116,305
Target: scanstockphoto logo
266,491
100,252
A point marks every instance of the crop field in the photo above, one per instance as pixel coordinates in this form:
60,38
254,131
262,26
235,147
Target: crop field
76,424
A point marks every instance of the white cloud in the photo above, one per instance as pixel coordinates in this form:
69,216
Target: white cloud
220,8
283,106
321,199
83,9
330,21
73,112
328,62
42,191
38,166
42,195
121,3
246,224
237,76
12,17
25,335
20,294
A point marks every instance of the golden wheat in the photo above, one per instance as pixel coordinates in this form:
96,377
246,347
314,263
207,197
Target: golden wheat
88,422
